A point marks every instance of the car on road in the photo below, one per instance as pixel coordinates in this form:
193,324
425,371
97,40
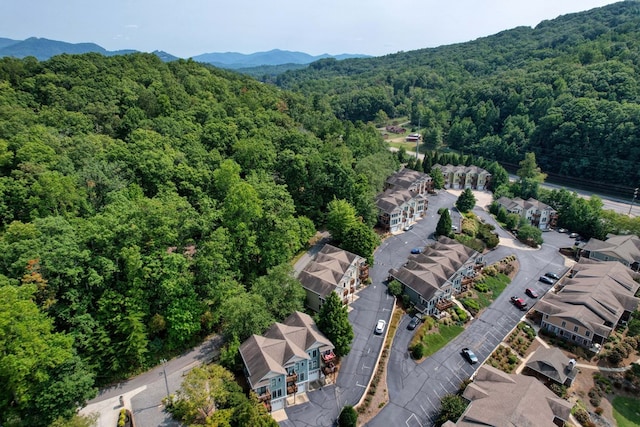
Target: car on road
531,292
552,275
416,250
547,280
562,230
380,326
574,235
413,323
469,355
519,302
408,227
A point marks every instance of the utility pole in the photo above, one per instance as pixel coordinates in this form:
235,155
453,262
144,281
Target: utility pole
166,383
418,140
635,194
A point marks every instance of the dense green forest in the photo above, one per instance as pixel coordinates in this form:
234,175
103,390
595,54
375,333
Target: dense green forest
567,90
144,205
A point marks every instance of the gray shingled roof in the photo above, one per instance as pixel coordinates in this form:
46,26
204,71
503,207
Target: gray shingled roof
523,205
621,247
283,344
323,274
405,178
598,293
504,400
427,272
390,199
552,363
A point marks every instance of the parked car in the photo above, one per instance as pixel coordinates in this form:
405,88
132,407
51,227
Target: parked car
545,279
574,235
380,326
408,227
454,227
416,250
469,355
552,275
413,323
562,230
519,302
532,293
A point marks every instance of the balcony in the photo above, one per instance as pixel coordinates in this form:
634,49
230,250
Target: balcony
292,378
292,389
328,357
265,397
444,304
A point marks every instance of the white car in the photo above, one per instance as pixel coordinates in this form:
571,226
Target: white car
380,326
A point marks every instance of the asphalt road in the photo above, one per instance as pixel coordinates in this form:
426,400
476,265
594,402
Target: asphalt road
415,389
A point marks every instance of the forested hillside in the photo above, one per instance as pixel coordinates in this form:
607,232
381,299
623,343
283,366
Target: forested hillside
144,205
567,90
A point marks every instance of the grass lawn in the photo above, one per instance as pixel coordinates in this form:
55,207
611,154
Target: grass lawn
435,342
626,411
495,284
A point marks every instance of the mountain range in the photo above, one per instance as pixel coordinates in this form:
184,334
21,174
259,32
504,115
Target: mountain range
43,49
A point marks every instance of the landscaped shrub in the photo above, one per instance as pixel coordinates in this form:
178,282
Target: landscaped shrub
481,287
417,351
462,315
472,305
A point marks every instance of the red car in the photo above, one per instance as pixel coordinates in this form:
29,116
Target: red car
519,302
531,293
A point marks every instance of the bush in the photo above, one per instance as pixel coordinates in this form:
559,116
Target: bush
481,287
472,305
348,417
582,416
417,351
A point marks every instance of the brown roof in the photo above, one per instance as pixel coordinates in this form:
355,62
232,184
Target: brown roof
595,297
626,247
405,178
283,344
323,274
552,363
390,199
427,272
504,400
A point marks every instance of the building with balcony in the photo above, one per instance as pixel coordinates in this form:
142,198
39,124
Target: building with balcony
461,177
536,213
284,360
431,278
596,297
332,270
404,199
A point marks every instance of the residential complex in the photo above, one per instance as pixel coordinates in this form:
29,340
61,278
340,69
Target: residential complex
286,359
461,177
591,303
432,277
535,212
624,249
501,399
404,199
332,270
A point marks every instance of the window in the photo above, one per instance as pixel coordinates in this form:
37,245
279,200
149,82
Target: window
301,376
575,329
588,333
564,324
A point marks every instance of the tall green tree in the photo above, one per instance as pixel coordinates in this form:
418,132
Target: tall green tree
531,176
42,378
438,178
443,228
333,322
283,291
452,407
466,201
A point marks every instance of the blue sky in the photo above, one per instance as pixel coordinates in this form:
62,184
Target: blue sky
190,27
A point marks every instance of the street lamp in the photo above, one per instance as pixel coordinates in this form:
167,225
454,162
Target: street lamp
635,194
166,383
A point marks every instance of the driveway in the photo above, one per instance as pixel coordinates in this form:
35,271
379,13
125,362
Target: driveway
415,389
